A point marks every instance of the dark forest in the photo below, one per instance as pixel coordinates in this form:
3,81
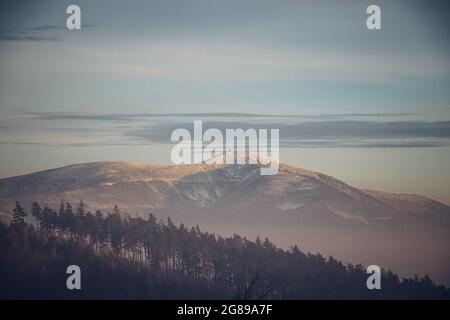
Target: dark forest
124,257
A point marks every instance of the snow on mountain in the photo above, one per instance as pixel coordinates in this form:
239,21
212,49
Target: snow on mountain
295,206
137,187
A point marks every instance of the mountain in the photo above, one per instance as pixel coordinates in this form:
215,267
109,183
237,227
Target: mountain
406,233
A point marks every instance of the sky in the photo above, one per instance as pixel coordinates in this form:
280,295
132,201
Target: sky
369,107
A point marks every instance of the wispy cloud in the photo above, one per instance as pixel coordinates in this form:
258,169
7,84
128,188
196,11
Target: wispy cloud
200,115
44,28
325,134
27,38
361,144
74,144
36,33
351,130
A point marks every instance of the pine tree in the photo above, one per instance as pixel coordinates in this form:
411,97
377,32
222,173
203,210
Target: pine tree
36,211
46,221
70,219
80,220
62,216
19,214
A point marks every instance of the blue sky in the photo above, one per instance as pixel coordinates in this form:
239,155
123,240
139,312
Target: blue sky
312,65
199,56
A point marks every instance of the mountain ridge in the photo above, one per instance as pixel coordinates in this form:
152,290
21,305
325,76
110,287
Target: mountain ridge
296,206
127,165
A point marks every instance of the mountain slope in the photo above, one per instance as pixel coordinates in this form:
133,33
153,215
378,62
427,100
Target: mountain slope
296,206
145,186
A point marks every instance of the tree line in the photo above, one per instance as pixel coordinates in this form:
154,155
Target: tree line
132,257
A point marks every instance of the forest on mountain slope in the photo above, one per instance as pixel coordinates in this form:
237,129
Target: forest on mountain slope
134,258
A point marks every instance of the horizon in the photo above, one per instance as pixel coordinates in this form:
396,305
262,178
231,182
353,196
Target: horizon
415,149
205,163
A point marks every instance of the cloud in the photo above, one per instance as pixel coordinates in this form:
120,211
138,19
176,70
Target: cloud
44,28
200,115
27,38
38,33
129,116
345,134
361,144
74,144
351,130
20,143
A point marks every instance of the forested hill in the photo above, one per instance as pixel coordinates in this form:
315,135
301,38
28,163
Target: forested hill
135,258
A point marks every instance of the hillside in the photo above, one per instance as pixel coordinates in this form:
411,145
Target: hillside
296,206
133,258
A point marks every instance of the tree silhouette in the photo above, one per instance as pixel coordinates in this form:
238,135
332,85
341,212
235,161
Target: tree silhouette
36,211
132,257
19,214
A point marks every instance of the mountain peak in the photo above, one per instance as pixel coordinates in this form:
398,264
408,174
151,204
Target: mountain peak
294,206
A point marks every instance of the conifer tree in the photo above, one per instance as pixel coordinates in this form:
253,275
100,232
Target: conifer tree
36,211
19,214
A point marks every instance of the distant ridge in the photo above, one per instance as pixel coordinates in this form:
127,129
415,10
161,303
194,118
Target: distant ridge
296,206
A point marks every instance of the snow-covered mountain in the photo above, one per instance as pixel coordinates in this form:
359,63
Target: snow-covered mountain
407,233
